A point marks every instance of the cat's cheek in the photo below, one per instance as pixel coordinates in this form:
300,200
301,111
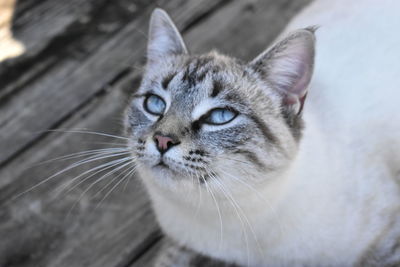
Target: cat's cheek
147,155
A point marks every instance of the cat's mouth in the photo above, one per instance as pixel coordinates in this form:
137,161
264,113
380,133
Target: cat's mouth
162,164
165,167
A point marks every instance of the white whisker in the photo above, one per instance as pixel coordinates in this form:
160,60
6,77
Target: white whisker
244,215
99,169
72,166
132,170
94,183
218,209
240,219
130,177
88,132
259,195
85,153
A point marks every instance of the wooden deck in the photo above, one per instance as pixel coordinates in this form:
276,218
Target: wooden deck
82,60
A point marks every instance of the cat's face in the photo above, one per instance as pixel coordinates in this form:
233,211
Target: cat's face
210,117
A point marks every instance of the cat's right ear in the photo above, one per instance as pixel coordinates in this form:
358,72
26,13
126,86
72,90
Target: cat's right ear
164,38
288,66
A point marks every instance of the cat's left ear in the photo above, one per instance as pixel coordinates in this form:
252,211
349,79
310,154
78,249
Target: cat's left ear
164,38
288,67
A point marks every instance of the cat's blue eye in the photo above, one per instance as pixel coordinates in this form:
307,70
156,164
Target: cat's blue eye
220,116
154,105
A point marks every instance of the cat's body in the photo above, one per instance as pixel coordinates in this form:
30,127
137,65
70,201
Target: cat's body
328,196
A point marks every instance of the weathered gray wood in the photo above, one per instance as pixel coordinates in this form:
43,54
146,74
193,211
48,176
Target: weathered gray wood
36,229
47,19
49,101
36,25
56,29
161,246
245,28
147,259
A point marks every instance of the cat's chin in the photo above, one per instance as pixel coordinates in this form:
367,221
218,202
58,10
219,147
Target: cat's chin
163,171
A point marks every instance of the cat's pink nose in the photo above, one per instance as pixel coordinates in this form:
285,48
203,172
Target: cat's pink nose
164,143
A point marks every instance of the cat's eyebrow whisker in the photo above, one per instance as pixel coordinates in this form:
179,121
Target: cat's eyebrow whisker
72,166
94,183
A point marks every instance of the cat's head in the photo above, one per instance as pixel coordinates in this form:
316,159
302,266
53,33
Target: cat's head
209,117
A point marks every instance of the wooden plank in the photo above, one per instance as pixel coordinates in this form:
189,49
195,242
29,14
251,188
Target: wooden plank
245,28
35,228
76,29
148,258
36,25
49,101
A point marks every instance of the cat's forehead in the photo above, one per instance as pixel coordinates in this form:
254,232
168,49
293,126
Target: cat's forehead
192,85
199,77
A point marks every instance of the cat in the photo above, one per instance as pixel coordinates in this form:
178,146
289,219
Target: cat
262,163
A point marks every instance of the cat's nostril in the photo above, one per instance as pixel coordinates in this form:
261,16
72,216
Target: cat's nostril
164,143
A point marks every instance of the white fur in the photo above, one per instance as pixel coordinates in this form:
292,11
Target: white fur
341,189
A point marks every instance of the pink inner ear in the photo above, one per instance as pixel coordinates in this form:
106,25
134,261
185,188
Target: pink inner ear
289,66
290,100
304,73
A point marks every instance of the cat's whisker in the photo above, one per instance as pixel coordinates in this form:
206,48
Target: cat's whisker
88,132
244,215
70,167
137,164
259,195
132,170
98,169
122,145
112,180
239,217
245,184
237,160
94,183
85,153
218,209
194,180
200,196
